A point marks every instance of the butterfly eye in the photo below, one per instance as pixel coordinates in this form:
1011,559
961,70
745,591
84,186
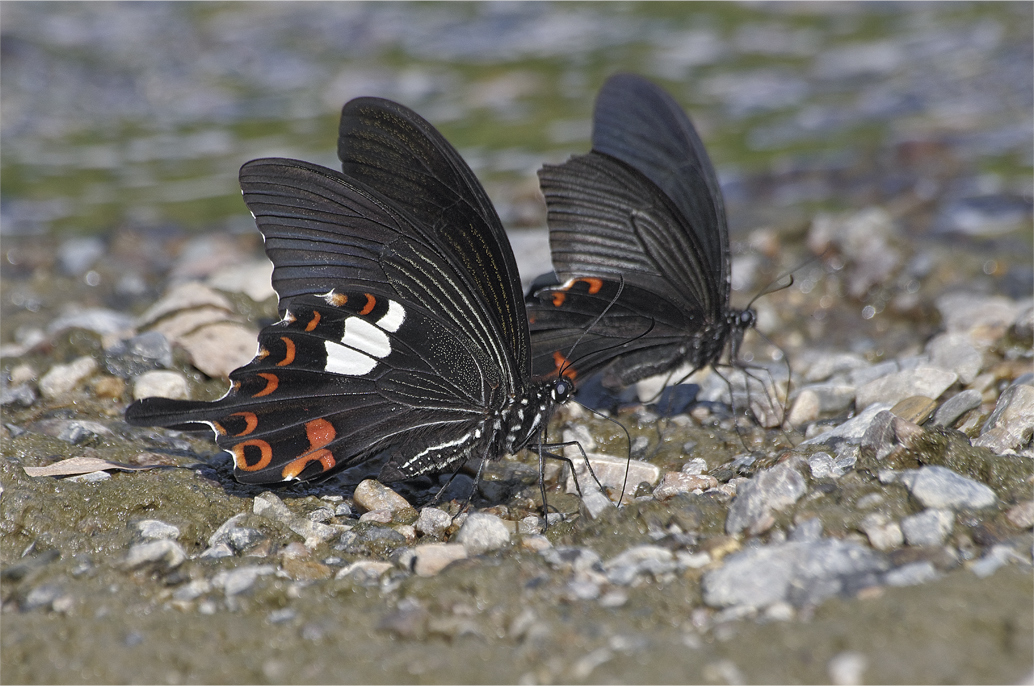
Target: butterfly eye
747,319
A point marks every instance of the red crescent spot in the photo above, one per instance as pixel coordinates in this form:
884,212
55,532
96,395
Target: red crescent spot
594,284
296,467
241,461
320,432
289,355
313,322
558,299
262,354
271,383
250,420
560,361
371,302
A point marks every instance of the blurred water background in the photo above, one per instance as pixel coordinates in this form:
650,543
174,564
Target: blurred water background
140,114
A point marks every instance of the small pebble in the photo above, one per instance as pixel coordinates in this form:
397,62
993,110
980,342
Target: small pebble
373,495
770,490
218,349
535,543
431,558
62,378
161,384
108,387
164,551
955,352
674,483
482,533
848,668
1022,515
926,381
853,429
364,570
1011,425
238,580
912,574
939,487
433,522
21,373
697,465
612,472
805,408
916,408
882,533
929,527
956,406
155,529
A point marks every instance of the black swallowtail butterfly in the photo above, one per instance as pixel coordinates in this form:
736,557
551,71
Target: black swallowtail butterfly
640,248
403,329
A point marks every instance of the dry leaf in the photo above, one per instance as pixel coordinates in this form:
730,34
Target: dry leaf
81,465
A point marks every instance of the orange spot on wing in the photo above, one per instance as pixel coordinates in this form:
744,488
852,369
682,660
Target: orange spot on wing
250,420
296,467
371,302
338,299
241,460
558,298
262,354
561,362
289,355
271,383
320,432
313,322
219,428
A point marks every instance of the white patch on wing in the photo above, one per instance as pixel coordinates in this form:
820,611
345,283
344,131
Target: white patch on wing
394,317
442,446
364,336
342,360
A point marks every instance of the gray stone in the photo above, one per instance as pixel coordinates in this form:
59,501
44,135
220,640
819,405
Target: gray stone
852,430
97,319
825,466
185,296
364,570
971,313
234,581
927,381
821,365
1021,515
912,574
164,552
62,378
594,503
156,529
373,495
578,561
433,522
864,375
938,487
218,349
482,533
42,597
805,408
139,354
832,397
801,573
612,472
1011,425
674,483
431,558
955,352
161,384
241,538
882,533
772,489
848,668
995,559
73,431
22,394
956,406
622,569
252,278
221,535
929,527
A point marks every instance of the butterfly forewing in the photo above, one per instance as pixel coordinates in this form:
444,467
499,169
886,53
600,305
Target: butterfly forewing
388,147
643,126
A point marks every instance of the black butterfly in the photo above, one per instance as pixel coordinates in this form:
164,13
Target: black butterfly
640,248
403,327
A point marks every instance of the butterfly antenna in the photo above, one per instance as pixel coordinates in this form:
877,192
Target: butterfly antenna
774,286
599,317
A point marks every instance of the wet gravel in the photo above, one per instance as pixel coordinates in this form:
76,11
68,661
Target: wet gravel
882,534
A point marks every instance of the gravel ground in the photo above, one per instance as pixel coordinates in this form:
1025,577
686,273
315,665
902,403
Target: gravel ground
882,534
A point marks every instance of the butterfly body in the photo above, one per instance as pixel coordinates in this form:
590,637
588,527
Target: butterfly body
639,243
402,334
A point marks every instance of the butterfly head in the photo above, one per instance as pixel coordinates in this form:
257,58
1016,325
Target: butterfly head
562,389
744,319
